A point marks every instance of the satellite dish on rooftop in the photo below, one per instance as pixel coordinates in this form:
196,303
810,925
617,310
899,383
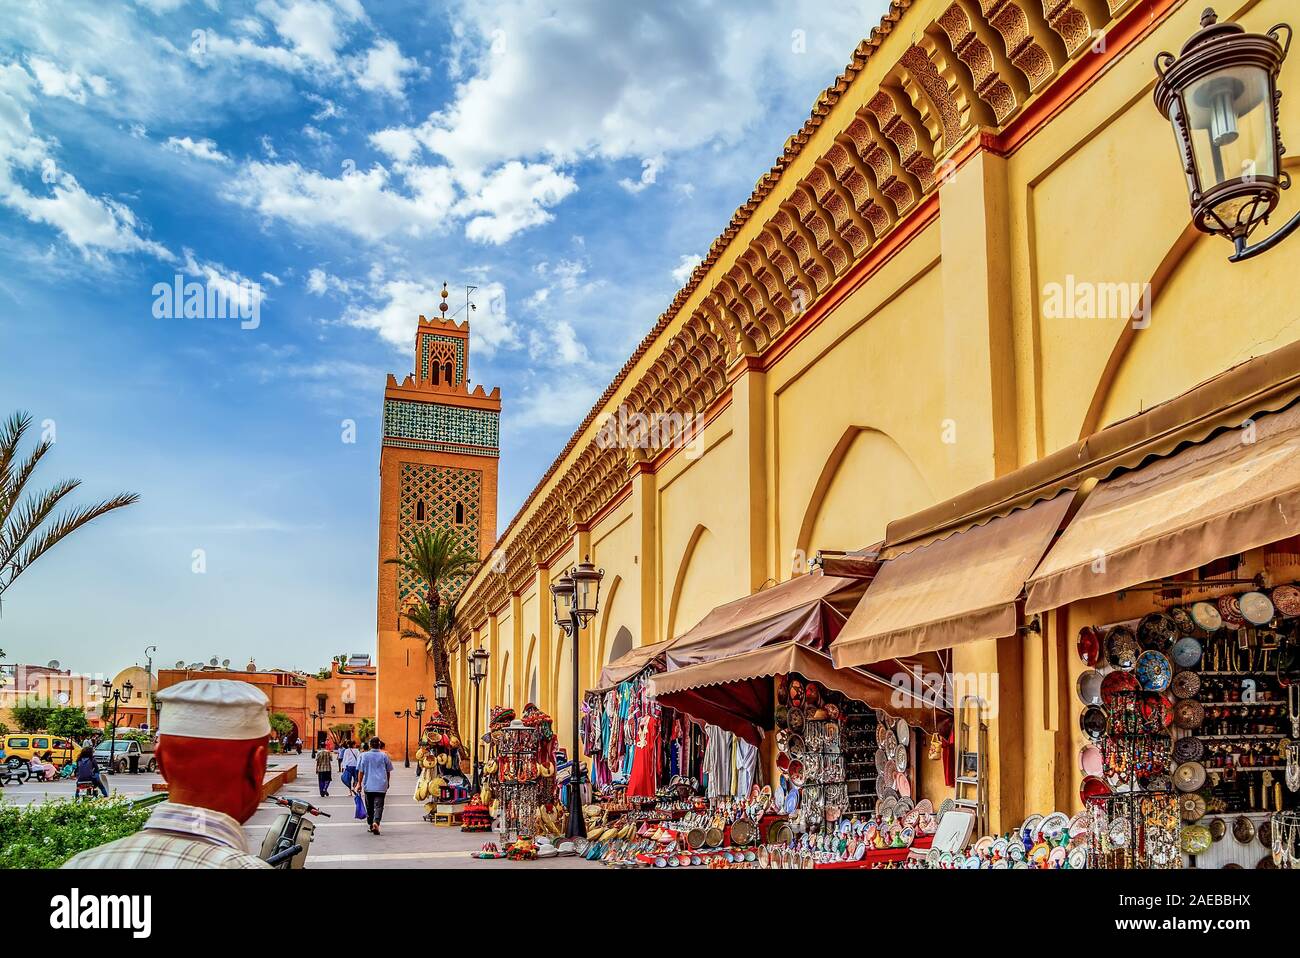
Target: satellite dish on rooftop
225,663
53,664
212,661
180,664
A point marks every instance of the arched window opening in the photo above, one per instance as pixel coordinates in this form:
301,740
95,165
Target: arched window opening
460,513
448,375
419,511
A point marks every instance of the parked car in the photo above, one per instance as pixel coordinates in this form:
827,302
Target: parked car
116,756
20,748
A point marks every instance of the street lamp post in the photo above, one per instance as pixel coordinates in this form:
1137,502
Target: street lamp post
127,687
314,716
148,686
575,603
1220,93
405,715
478,663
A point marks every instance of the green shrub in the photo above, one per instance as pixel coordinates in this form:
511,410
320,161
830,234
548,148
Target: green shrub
47,835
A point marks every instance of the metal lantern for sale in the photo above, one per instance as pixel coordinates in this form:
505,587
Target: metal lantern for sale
1220,93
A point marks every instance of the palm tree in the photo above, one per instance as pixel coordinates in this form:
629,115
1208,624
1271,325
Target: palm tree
439,559
25,533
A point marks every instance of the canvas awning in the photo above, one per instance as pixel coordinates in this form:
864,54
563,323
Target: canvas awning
961,588
1239,490
810,608
629,664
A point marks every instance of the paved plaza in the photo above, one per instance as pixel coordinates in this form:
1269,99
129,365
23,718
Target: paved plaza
341,841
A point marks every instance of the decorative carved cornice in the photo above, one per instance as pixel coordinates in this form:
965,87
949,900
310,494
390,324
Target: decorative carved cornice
967,73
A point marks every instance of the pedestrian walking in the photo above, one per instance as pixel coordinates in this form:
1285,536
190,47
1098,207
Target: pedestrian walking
324,772
298,745
373,774
349,759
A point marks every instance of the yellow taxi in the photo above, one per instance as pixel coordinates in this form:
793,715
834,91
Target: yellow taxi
20,747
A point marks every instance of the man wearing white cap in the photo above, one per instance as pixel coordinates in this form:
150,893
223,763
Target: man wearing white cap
212,736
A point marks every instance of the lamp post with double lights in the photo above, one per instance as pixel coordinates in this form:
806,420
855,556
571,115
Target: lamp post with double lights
576,597
315,716
405,716
1220,93
420,703
478,663
117,695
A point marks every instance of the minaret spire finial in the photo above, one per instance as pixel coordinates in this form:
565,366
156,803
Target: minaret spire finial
442,307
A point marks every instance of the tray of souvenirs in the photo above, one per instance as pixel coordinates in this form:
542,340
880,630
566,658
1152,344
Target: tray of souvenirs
1055,840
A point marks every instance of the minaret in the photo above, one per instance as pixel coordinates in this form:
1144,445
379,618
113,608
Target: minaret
437,467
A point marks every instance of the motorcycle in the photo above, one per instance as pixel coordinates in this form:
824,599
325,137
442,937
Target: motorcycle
289,837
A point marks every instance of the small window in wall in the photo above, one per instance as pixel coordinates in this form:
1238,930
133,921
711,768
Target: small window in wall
419,511
349,708
460,513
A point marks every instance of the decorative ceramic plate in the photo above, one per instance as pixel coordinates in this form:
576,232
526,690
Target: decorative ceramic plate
1088,687
1266,833
1189,748
902,732
1029,829
1154,671
1089,646
900,759
1157,631
1116,682
796,720
1183,620
1243,829
1122,648
1189,714
1207,617
1091,760
1185,684
1286,598
1187,652
1256,608
1079,825
1054,826
1078,857
1218,828
1094,721
1230,610
946,806
1189,776
903,785
1093,787
1195,840
1191,807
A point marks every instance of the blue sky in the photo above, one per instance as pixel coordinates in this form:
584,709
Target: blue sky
570,159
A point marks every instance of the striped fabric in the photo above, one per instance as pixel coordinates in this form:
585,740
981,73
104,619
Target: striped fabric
175,836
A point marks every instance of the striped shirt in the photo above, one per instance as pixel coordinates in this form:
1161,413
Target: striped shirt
175,836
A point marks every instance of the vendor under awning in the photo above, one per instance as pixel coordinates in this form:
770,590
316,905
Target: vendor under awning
721,671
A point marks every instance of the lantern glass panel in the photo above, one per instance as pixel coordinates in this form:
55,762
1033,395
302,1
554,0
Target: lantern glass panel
1230,117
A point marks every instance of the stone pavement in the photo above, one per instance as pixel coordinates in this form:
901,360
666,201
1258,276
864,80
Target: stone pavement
340,841
407,841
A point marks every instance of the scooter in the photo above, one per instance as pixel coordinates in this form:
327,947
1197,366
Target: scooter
289,837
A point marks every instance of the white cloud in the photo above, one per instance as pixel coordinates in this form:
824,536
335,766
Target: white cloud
513,198
272,279
68,84
204,149
393,305
551,404
650,168
309,26
319,282
685,266
362,203
94,224
399,144
382,69
244,293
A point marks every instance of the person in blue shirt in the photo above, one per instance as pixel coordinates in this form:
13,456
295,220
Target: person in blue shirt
373,773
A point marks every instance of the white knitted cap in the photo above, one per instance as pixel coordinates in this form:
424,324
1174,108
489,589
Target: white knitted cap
213,708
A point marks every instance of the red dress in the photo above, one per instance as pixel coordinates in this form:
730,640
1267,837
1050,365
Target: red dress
645,760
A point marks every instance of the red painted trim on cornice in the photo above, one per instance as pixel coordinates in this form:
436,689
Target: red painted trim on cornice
925,213
1078,76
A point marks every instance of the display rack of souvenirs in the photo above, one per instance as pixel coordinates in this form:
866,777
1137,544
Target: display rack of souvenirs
678,829
513,768
1127,713
838,758
861,841
1054,840
1237,716
438,754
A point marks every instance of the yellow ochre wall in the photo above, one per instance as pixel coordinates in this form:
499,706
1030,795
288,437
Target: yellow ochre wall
927,366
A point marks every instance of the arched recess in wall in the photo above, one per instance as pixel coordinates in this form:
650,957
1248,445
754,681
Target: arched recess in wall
562,707
607,608
530,671
691,599
503,681
1177,350
867,481
621,645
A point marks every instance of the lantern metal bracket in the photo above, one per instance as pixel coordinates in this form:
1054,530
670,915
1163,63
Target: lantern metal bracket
1242,251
